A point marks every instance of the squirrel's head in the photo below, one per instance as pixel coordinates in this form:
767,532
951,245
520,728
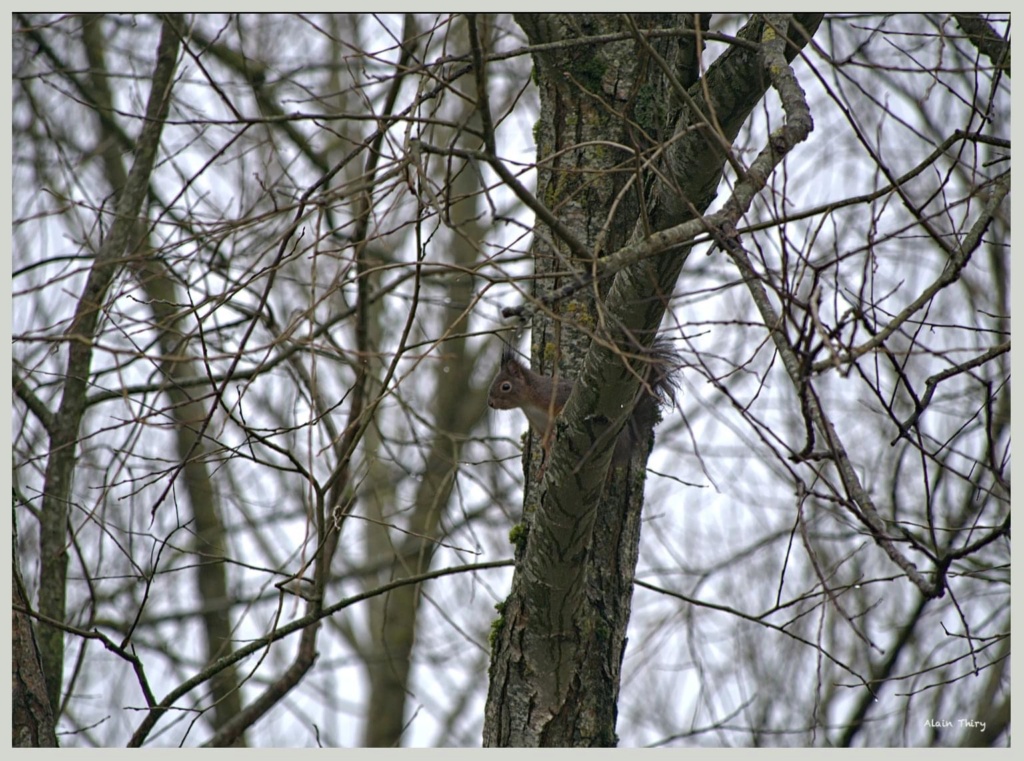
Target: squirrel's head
509,386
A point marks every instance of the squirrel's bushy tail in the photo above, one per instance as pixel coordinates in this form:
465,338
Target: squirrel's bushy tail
661,380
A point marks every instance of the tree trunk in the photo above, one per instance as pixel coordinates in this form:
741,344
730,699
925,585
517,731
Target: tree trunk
32,721
557,656
60,462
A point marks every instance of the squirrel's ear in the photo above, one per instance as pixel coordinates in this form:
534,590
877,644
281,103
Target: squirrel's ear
507,354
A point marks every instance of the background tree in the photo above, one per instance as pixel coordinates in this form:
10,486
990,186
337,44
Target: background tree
257,500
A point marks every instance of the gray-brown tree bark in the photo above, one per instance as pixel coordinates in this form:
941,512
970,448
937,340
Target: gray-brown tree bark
557,658
32,721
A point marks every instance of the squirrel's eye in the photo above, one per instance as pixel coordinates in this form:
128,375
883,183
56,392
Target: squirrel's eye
506,386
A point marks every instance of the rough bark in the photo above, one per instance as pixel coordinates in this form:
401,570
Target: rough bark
558,650
32,722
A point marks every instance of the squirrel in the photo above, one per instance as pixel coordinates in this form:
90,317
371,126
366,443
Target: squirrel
516,386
